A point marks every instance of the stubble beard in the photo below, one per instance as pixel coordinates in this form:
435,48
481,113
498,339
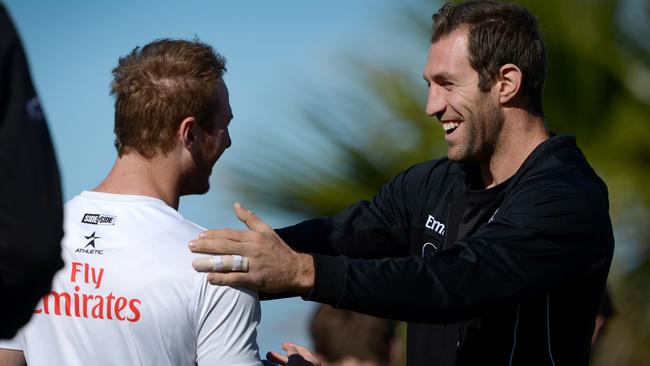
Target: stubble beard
482,132
197,184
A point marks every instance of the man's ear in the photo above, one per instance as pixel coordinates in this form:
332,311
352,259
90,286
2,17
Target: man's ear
187,132
509,82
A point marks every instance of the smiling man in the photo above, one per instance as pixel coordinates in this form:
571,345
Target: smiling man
497,254
127,294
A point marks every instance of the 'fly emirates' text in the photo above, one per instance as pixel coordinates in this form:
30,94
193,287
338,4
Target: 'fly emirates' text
83,305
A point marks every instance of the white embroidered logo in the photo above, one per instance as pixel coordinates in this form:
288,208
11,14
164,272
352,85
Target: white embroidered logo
429,248
435,225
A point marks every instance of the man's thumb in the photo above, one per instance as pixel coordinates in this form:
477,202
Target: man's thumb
249,219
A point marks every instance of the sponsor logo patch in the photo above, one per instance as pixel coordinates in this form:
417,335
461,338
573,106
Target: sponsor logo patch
435,225
98,219
89,299
90,242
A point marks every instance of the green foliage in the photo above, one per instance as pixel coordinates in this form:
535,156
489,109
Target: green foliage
598,88
369,148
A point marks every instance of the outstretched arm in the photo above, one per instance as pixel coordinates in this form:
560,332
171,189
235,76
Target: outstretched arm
273,266
549,235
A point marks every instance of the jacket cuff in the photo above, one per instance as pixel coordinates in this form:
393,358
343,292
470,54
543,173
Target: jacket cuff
329,279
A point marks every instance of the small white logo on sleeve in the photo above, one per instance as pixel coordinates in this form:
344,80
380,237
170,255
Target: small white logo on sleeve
435,225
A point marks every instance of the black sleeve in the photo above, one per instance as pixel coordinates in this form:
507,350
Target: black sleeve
30,194
544,234
375,229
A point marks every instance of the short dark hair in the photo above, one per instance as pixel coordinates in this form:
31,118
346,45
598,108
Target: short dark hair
338,334
499,33
157,86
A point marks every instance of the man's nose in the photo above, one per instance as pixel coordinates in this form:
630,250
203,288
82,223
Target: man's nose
435,102
228,139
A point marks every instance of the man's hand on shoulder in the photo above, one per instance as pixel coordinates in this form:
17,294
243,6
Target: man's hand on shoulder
272,265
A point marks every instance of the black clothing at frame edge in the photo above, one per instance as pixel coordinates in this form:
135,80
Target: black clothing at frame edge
31,211
533,274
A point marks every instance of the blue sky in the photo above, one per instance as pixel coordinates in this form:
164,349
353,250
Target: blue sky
277,51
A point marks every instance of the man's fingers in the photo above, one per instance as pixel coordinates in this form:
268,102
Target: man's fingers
286,345
231,234
302,350
291,350
229,279
249,219
300,355
217,246
221,263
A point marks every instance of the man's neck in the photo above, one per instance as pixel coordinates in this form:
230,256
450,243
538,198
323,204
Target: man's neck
522,133
156,177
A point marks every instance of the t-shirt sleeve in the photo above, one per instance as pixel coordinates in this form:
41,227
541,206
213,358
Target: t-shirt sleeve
226,319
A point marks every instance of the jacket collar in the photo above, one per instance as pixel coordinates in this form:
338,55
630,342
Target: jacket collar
549,147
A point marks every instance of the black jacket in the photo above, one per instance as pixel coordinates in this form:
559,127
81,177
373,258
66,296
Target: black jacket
522,288
31,211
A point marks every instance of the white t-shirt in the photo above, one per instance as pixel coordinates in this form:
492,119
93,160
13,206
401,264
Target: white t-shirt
128,294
